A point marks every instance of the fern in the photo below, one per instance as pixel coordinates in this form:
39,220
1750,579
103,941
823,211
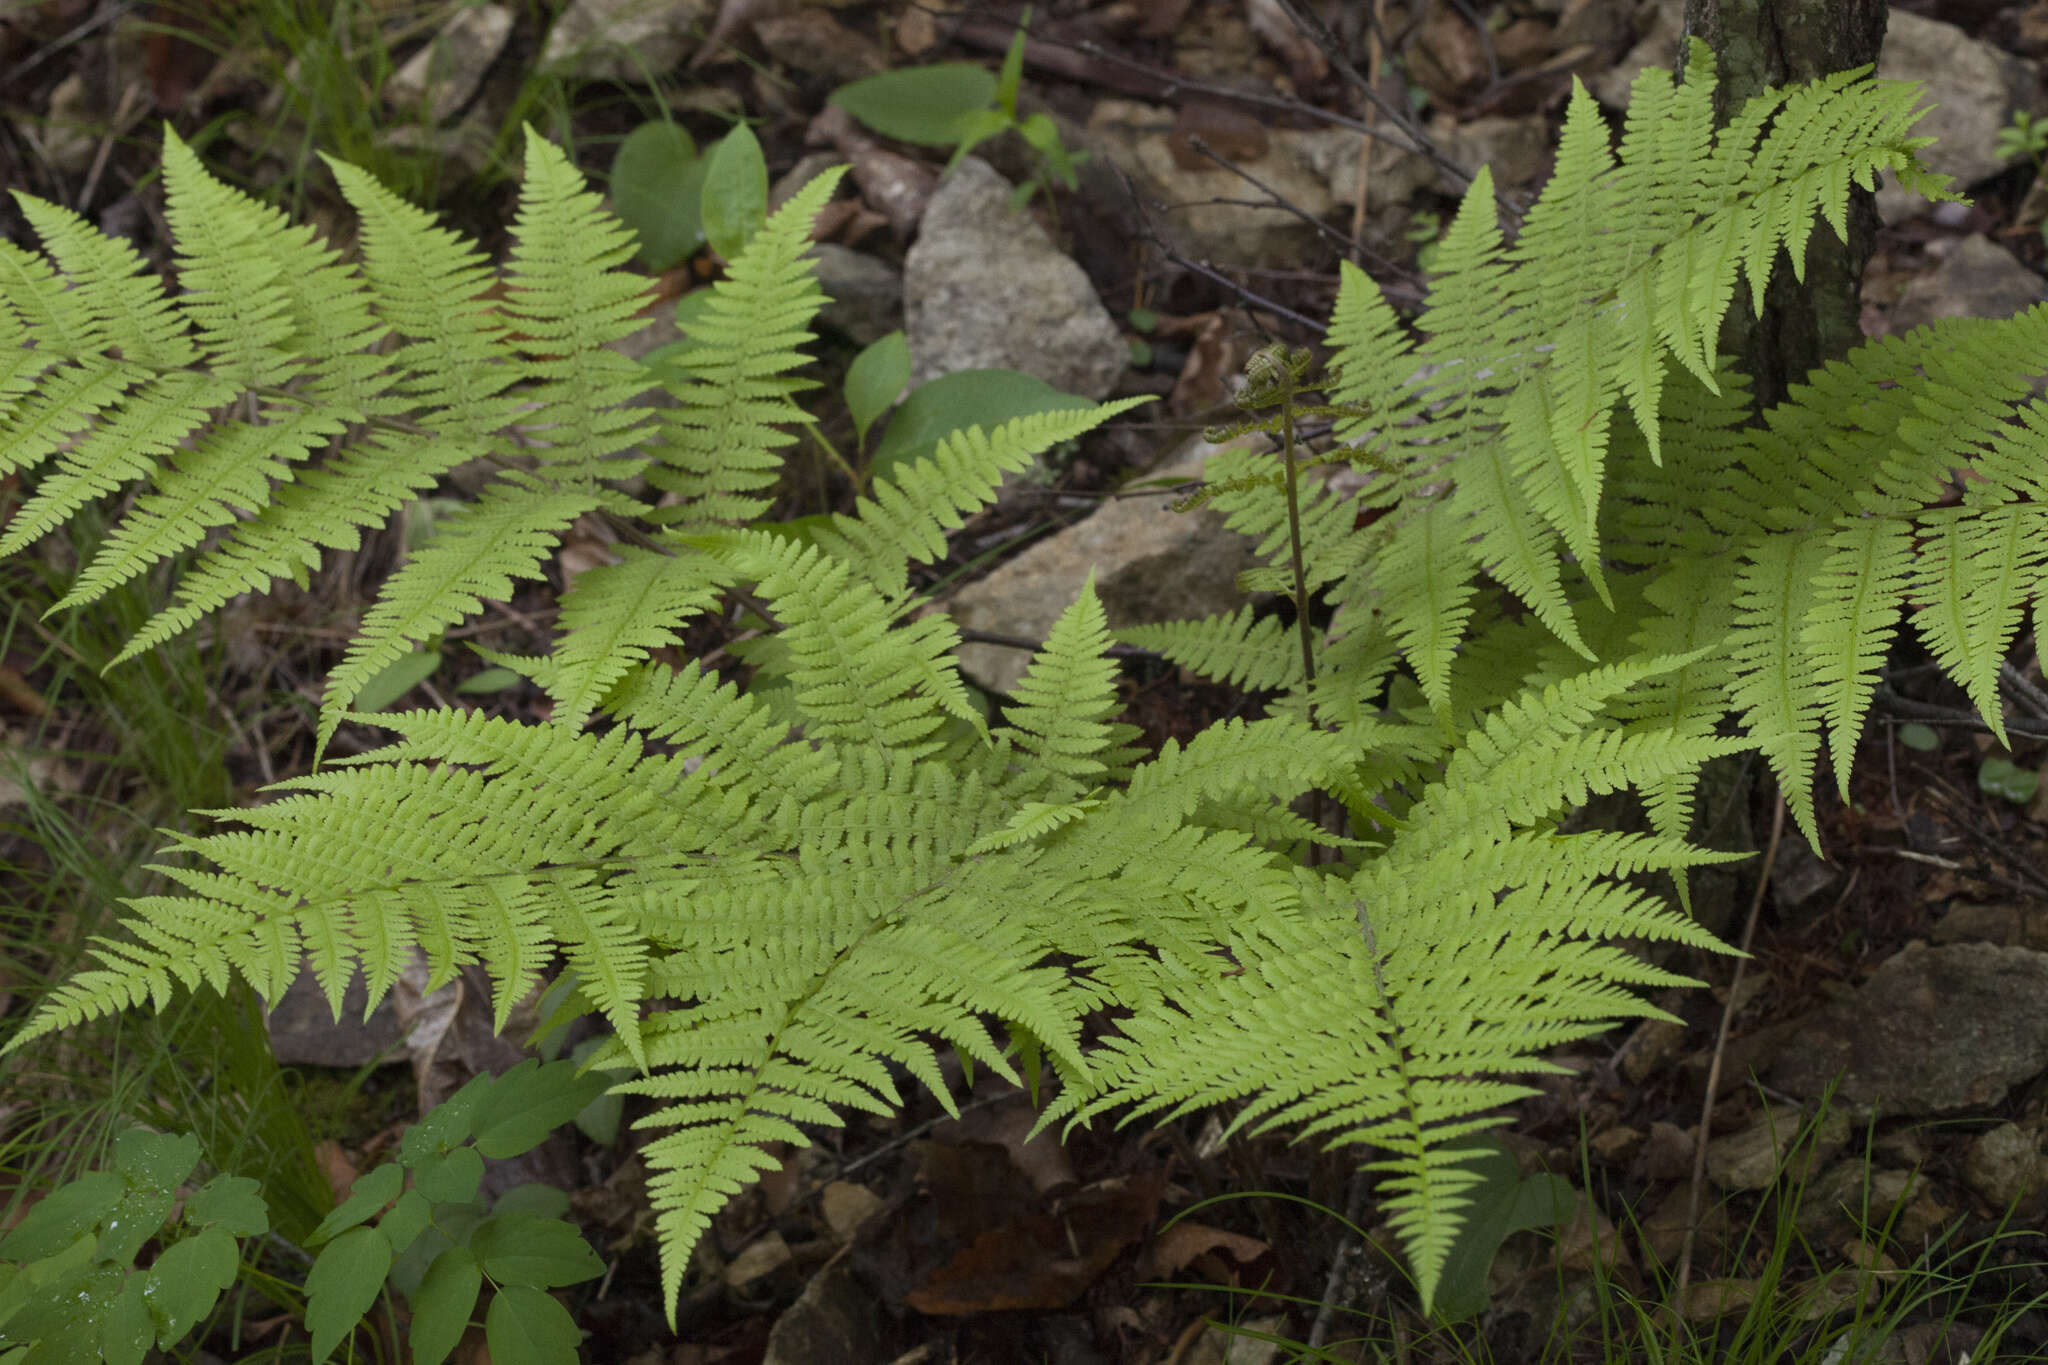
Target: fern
777,931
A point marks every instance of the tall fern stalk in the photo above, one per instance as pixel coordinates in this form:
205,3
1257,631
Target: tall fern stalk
1549,605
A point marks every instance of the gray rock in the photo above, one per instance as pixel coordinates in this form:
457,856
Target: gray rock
2006,1164
866,294
1799,877
1933,1030
624,40
1749,1160
1973,87
1315,170
813,165
836,1318
1980,280
1850,1196
1150,564
1516,148
985,288
304,1031
813,42
443,75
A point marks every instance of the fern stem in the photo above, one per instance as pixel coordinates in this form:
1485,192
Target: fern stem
1308,654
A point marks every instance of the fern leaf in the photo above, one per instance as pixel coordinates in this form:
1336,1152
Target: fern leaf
1060,710
856,678
721,443
905,515
612,617
477,554
565,294
1240,648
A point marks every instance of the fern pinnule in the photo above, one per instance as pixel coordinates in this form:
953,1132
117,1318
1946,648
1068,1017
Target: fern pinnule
112,303
1240,648
856,677
566,296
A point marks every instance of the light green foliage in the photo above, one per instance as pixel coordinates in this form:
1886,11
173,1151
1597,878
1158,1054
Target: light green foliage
816,917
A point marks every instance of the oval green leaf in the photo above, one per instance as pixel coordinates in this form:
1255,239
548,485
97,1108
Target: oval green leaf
2003,777
517,1248
1918,736
181,1287
527,1327
920,104
450,1178
735,196
656,178
874,379
401,676
343,1284
442,1304
965,398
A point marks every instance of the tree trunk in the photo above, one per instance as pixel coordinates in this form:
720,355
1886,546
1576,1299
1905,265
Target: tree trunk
1761,43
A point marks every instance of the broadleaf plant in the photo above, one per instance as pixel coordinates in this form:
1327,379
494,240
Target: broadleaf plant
68,1292
782,900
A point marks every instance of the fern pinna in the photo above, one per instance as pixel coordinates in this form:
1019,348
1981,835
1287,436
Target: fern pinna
814,918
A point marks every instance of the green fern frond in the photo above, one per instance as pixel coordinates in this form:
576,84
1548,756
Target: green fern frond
736,396
904,516
856,678
477,553
1060,711
1239,647
567,297
612,617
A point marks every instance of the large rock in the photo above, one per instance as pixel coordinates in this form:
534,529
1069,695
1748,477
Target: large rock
985,288
1150,564
1314,170
1981,279
1973,87
1933,1030
864,295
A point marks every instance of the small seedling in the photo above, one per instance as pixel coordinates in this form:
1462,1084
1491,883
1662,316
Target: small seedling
2026,136
959,105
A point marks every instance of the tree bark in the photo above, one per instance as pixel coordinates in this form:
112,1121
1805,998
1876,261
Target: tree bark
1768,43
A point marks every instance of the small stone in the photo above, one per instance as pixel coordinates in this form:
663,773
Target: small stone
760,1258
846,1206
985,288
814,43
442,76
2006,1165
1751,1159
633,41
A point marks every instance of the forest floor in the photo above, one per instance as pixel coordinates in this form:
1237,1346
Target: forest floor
1939,819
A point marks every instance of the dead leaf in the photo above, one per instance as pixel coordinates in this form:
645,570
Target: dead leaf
1043,1261
846,1206
1217,1255
1008,1125
895,184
